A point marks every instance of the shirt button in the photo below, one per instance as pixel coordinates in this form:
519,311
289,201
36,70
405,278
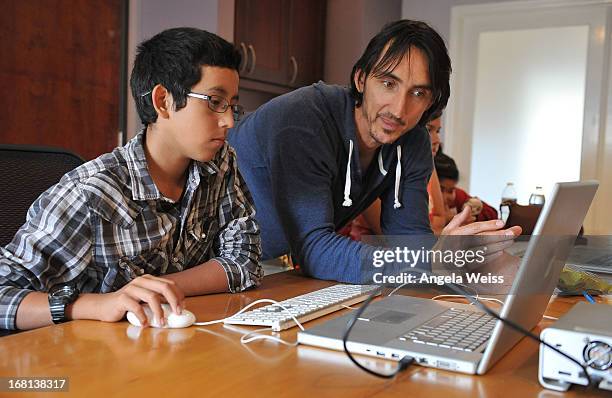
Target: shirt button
175,259
203,235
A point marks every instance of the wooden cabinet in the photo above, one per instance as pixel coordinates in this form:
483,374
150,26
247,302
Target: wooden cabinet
306,41
61,73
282,41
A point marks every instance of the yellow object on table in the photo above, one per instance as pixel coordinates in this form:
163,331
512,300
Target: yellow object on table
574,281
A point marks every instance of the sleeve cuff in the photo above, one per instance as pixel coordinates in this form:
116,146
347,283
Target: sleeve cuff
240,276
10,299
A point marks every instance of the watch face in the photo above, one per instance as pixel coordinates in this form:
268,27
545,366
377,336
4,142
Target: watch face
59,297
62,291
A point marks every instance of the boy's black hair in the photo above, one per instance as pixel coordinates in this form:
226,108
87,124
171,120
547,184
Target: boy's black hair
446,167
173,58
401,36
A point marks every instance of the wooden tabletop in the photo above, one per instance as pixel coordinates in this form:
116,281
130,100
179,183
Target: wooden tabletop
113,359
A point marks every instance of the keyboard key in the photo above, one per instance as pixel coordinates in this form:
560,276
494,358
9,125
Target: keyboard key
435,322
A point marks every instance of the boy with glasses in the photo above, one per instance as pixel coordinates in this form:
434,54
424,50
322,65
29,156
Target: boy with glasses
166,216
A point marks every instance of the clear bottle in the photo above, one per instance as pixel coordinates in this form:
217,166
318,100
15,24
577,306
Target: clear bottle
537,198
508,197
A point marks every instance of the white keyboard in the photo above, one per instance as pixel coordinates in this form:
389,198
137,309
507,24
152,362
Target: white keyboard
305,307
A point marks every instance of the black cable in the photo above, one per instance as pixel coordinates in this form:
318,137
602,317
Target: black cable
520,329
461,292
404,363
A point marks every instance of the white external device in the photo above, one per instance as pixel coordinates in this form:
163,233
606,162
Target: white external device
585,334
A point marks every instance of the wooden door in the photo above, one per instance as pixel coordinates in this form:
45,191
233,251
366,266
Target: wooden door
260,33
306,41
60,64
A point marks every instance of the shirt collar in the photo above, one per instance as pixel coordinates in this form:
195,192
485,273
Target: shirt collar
143,187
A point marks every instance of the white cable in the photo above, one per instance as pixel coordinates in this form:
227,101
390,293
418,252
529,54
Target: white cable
246,308
448,295
458,284
500,302
396,289
256,333
552,318
242,331
245,339
477,297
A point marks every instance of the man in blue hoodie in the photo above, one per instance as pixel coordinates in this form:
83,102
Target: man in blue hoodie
315,158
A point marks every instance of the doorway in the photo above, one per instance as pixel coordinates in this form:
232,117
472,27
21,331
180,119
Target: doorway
529,98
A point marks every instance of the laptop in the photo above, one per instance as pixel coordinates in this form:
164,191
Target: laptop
592,258
460,337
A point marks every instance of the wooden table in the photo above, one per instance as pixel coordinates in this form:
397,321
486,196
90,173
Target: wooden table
102,360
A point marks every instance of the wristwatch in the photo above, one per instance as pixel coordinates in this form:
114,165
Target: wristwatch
59,297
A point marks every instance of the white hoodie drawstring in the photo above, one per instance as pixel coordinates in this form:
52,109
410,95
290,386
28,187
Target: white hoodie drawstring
347,182
398,176
380,164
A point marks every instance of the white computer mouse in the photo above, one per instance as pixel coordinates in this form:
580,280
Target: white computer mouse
173,321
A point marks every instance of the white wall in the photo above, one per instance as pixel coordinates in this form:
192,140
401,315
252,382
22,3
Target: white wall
149,17
436,12
527,126
597,131
158,15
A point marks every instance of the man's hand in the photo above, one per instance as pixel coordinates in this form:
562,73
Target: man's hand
485,235
147,288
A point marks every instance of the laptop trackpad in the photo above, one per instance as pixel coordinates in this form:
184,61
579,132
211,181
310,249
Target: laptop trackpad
392,317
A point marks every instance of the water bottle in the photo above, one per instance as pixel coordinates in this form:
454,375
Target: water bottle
537,198
508,197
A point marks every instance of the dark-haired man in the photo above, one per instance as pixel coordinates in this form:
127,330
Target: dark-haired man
317,157
164,217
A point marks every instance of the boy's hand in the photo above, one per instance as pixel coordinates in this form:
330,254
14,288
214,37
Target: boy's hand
147,288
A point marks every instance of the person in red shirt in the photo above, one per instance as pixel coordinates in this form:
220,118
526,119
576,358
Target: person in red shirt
456,198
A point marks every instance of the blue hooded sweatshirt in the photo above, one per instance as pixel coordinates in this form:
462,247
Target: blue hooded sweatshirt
299,156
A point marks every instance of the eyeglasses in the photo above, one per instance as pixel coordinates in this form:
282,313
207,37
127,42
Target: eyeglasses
216,104
219,104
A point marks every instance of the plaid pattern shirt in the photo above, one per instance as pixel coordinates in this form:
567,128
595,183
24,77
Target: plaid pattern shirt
105,223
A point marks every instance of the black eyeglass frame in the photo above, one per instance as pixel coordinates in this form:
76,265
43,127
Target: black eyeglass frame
221,107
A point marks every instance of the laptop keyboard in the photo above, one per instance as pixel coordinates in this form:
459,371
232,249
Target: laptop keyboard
457,329
604,261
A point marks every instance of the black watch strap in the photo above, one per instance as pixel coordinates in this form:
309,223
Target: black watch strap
58,311
59,298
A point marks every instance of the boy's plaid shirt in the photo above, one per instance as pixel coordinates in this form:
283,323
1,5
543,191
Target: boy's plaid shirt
106,223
